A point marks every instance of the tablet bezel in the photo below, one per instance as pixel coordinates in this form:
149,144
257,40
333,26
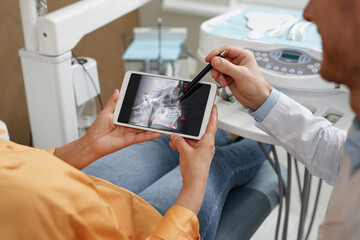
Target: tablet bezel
209,103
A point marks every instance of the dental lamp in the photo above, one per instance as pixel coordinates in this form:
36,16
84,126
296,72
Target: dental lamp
46,62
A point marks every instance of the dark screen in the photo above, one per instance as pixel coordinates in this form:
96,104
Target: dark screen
290,56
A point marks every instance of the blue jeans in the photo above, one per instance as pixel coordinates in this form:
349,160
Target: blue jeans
151,170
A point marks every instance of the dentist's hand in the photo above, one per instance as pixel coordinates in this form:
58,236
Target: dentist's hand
103,137
239,71
195,161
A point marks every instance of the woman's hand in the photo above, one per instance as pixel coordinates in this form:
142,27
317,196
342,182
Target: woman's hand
106,137
195,161
103,137
239,71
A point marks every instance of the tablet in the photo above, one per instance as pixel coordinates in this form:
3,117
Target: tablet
146,102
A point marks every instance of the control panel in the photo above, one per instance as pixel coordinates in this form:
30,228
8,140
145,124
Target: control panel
287,61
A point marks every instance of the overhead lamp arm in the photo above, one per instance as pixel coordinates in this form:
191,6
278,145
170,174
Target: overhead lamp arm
61,30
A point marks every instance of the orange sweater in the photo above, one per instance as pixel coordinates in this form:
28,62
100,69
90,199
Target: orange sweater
42,197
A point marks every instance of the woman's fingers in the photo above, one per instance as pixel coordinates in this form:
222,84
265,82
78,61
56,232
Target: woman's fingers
111,104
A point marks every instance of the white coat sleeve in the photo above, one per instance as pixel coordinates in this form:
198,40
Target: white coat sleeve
309,139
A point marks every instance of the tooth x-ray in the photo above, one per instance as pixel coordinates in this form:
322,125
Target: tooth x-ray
149,102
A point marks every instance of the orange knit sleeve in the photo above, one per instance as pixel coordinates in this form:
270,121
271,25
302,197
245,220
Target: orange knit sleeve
178,223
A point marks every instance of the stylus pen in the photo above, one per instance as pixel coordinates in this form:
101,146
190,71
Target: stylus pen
197,78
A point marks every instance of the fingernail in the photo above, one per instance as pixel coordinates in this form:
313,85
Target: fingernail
216,61
174,137
222,82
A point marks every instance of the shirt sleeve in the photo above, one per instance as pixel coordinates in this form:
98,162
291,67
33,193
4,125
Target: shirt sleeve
309,139
268,105
178,223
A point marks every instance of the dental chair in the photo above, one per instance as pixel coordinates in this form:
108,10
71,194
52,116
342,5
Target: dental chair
247,206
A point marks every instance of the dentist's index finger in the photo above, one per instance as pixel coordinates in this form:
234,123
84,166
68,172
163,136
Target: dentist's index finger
231,52
225,67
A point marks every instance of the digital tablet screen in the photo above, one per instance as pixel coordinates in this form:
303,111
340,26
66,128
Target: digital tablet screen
149,102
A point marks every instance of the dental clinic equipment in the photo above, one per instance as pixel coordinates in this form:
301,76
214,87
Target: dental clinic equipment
153,48
282,29
260,22
86,89
298,31
285,63
145,50
46,62
276,25
226,94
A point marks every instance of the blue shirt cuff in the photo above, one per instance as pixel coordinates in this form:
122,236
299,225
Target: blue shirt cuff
352,146
268,105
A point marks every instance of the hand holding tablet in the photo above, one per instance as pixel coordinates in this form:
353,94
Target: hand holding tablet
147,102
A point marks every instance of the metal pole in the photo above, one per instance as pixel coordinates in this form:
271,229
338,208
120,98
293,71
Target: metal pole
304,201
287,200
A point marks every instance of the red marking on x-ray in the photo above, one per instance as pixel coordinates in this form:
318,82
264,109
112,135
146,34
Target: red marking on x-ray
182,118
150,120
145,93
176,88
171,126
178,114
178,106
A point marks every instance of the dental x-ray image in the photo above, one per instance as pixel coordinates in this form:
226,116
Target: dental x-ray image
149,102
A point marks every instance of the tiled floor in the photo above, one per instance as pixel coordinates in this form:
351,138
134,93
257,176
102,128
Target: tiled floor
267,229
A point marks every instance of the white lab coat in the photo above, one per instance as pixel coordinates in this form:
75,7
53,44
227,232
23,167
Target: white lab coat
309,139
320,147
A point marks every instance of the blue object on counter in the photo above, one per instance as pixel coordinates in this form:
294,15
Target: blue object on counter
142,49
236,27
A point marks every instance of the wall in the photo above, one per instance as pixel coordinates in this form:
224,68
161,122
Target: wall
106,45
